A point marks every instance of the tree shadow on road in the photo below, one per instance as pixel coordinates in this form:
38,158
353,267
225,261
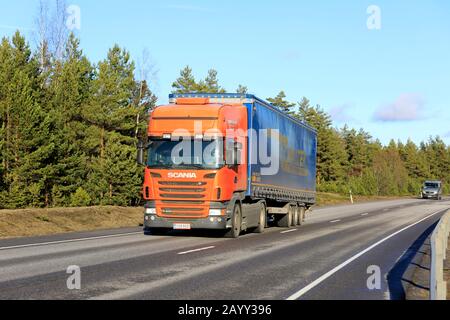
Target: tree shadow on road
400,277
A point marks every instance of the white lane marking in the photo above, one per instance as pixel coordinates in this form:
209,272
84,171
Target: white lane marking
318,281
195,250
364,214
287,231
335,221
68,241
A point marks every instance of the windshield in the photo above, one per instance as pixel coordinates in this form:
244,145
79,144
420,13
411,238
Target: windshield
185,154
430,185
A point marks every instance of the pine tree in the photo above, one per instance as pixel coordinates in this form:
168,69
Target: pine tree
26,150
331,155
80,198
415,162
112,116
186,82
210,84
437,158
358,146
242,89
280,102
390,172
68,93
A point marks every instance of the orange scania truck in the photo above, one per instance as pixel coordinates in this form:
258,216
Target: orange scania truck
230,162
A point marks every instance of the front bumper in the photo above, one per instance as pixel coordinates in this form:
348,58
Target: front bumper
430,196
206,223
211,223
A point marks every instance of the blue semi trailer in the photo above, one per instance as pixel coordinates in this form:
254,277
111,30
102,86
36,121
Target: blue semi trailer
259,168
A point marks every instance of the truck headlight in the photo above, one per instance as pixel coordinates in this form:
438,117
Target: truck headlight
150,211
215,212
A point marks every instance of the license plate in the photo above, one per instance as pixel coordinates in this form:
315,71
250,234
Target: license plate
181,226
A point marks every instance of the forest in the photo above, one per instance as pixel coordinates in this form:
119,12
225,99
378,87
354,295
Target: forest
70,128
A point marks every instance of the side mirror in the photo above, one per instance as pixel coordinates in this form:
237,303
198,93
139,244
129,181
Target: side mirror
140,153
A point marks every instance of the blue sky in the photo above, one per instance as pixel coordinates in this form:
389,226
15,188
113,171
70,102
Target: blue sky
393,82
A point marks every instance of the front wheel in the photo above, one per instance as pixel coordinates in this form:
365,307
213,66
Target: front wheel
235,230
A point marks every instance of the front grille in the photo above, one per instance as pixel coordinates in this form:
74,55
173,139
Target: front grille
170,210
181,183
183,199
182,212
182,189
182,196
188,202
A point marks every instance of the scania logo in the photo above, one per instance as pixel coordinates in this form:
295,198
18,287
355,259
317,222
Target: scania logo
182,175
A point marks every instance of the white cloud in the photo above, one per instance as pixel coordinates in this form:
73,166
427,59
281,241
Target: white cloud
407,107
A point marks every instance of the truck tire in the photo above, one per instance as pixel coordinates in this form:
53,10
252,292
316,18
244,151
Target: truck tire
301,215
262,219
235,230
295,216
286,220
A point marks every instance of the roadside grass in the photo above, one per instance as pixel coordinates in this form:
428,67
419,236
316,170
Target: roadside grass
330,199
40,222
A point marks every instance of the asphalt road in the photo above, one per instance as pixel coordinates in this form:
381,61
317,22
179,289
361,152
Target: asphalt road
327,258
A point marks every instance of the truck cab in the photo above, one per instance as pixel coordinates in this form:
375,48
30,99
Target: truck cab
192,171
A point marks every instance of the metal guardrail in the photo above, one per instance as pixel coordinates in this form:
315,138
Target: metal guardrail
439,242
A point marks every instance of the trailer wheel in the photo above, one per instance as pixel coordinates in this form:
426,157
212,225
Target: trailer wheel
301,215
235,230
286,220
296,216
262,219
